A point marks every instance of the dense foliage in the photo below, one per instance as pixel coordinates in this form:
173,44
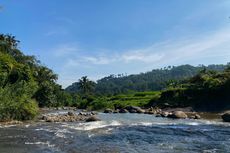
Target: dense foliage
208,90
25,83
157,79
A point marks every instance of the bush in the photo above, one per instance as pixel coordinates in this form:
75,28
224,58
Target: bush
16,102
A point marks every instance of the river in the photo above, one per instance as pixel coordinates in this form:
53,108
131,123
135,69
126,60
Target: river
126,133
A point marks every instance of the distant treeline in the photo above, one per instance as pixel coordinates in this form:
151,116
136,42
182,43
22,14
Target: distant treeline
154,80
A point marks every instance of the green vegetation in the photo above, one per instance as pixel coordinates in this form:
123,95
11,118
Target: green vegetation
157,79
208,90
204,88
25,84
120,101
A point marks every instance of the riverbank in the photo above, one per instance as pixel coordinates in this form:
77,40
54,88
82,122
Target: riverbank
72,114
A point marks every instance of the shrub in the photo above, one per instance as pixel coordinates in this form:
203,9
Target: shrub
16,102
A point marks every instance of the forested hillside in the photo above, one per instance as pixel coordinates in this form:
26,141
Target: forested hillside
208,90
25,83
156,79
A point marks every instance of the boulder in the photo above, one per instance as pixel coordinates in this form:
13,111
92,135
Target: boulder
44,117
226,117
150,112
134,109
123,110
177,115
71,113
94,113
49,119
116,111
83,114
92,119
165,114
197,116
108,110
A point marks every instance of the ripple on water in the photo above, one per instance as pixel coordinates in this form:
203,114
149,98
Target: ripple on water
117,133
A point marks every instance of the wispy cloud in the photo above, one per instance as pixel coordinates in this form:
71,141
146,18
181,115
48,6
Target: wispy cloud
56,31
169,52
200,49
97,60
65,20
66,50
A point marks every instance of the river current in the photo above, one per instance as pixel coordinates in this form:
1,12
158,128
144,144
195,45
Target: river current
125,133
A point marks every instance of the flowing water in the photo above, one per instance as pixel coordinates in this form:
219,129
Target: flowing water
132,133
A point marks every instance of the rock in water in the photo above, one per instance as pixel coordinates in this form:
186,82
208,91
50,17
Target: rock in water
197,116
116,111
92,119
178,115
134,109
71,113
165,114
108,110
226,117
123,110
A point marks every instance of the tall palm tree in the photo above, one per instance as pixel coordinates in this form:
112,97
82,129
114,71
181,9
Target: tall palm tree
86,85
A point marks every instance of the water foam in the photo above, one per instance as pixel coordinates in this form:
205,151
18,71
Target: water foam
61,133
7,126
93,125
47,143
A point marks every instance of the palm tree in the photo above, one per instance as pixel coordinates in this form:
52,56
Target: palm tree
86,85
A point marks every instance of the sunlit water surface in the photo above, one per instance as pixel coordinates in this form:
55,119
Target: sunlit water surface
134,133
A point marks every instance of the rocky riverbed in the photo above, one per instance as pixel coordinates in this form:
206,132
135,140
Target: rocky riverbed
70,116
173,113
74,115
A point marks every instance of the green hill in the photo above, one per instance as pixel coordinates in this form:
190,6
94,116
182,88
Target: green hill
156,79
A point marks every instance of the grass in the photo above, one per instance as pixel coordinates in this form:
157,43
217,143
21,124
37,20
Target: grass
140,99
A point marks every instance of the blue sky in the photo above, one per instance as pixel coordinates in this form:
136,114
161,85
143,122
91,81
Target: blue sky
102,37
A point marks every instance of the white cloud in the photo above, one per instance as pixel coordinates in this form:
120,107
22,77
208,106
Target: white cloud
168,52
206,48
185,49
97,60
142,56
66,50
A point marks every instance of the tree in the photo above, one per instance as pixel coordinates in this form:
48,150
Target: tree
86,86
25,83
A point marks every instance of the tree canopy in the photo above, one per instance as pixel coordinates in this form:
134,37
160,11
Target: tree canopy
25,83
156,79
